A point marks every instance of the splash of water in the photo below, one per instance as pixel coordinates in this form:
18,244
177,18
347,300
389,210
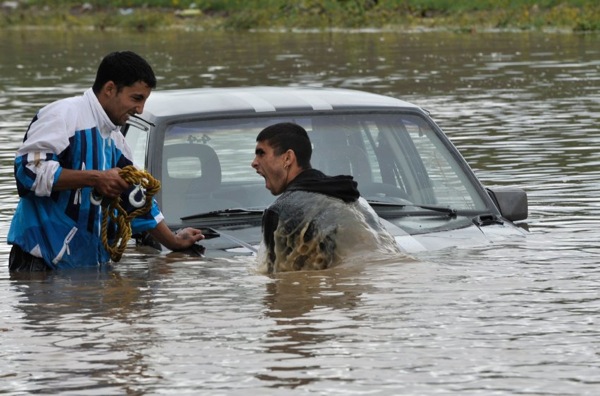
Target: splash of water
316,232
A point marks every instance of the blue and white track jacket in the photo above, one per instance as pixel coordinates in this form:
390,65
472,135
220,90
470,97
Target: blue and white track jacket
63,227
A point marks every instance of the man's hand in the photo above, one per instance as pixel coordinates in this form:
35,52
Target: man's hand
181,240
188,236
110,184
107,183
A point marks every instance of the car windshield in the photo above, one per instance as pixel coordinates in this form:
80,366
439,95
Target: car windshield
396,158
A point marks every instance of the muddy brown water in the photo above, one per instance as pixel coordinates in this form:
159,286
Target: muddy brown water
518,317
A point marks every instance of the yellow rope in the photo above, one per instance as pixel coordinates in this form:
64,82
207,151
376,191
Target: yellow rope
115,212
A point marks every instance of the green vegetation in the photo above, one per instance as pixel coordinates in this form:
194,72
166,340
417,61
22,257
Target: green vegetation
465,15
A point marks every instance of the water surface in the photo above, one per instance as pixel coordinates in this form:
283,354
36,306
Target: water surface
514,318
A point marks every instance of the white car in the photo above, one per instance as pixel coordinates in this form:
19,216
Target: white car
200,142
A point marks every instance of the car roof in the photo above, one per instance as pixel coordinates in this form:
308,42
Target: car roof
240,100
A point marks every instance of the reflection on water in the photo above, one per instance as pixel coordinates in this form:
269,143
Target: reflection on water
520,317
86,317
310,310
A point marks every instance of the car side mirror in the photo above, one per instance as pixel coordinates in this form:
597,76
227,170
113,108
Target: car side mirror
511,201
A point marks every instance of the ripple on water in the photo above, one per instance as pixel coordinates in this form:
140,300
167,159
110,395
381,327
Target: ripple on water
512,317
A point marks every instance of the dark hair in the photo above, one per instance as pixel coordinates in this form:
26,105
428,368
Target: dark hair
285,136
124,68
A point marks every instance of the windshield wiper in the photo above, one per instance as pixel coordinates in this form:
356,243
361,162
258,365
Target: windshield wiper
442,209
224,213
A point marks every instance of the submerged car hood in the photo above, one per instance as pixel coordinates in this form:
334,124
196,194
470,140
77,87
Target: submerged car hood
469,236
246,241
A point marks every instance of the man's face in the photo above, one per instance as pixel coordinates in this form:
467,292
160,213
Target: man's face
119,105
270,166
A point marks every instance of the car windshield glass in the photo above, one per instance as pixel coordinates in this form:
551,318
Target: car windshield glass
395,157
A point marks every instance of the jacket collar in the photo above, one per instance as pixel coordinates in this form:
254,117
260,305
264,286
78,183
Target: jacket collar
105,125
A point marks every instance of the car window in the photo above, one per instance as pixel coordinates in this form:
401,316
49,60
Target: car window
449,183
234,141
393,157
207,167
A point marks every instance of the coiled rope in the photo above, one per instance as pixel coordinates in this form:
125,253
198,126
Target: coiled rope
145,186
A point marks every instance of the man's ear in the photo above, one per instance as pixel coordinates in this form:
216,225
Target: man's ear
109,88
290,157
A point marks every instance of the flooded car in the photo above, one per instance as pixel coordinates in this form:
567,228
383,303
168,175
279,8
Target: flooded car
200,142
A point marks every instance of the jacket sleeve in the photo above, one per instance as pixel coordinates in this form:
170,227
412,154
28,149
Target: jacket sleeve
37,166
147,221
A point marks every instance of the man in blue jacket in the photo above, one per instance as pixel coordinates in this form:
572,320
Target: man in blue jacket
72,147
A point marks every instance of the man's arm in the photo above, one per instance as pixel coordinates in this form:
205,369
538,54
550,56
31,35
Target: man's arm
107,183
183,239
